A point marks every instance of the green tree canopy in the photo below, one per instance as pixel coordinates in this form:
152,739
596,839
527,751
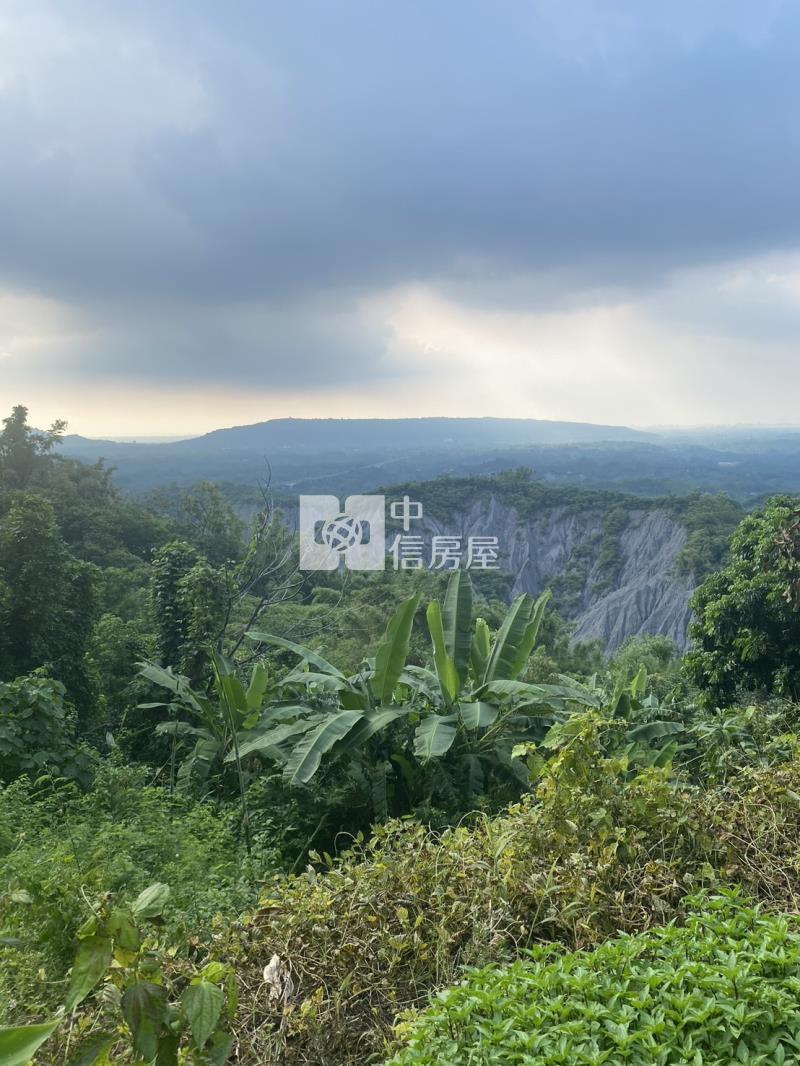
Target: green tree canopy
22,447
47,598
747,627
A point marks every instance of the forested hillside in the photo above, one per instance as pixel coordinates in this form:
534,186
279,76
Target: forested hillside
354,455
618,565
255,814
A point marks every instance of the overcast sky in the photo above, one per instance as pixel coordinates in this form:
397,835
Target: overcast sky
214,213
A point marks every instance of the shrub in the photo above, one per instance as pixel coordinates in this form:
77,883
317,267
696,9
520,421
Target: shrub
722,989
37,730
129,1000
597,851
59,848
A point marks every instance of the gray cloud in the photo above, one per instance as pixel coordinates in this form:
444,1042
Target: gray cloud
211,177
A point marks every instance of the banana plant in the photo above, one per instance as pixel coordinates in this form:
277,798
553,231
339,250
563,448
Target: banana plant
217,723
340,714
472,704
637,734
479,708
213,722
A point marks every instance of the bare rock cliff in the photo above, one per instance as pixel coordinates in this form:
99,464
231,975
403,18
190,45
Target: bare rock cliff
613,579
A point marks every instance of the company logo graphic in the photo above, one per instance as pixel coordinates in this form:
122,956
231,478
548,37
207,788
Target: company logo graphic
356,536
330,533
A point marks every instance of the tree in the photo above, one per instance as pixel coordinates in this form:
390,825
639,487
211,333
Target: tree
22,447
116,647
747,624
188,601
38,730
47,598
209,522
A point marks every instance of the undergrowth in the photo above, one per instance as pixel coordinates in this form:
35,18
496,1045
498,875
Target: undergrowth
61,850
722,989
597,851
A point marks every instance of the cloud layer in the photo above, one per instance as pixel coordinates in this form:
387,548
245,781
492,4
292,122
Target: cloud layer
350,208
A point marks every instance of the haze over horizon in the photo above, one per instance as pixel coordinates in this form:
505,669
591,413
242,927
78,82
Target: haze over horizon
575,211
144,438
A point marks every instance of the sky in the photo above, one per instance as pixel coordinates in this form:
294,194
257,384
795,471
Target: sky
216,213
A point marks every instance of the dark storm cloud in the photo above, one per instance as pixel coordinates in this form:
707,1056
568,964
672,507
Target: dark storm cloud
186,160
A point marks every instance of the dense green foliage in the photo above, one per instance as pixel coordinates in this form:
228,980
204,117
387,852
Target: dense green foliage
600,848
720,989
747,629
61,849
256,813
38,731
709,522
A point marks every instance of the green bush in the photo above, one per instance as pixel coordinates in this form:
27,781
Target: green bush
722,989
37,731
60,848
597,851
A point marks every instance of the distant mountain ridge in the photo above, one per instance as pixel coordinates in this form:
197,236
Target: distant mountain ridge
356,455
315,434
344,454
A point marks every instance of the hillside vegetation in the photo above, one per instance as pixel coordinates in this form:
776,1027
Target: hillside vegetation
353,455
253,814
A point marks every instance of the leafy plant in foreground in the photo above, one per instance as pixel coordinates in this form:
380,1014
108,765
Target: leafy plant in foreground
60,846
721,989
143,1015
221,719
469,711
37,731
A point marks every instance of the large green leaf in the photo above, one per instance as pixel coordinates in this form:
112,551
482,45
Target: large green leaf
151,901
144,1006
522,693
421,680
477,715
653,730
176,683
481,649
198,766
218,1051
122,928
202,1004
257,687
167,1053
231,693
531,633
392,652
434,736
267,739
304,761
92,1049
475,778
234,695
639,683
371,723
315,677
91,962
509,640
445,667
457,621
18,1045
304,653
